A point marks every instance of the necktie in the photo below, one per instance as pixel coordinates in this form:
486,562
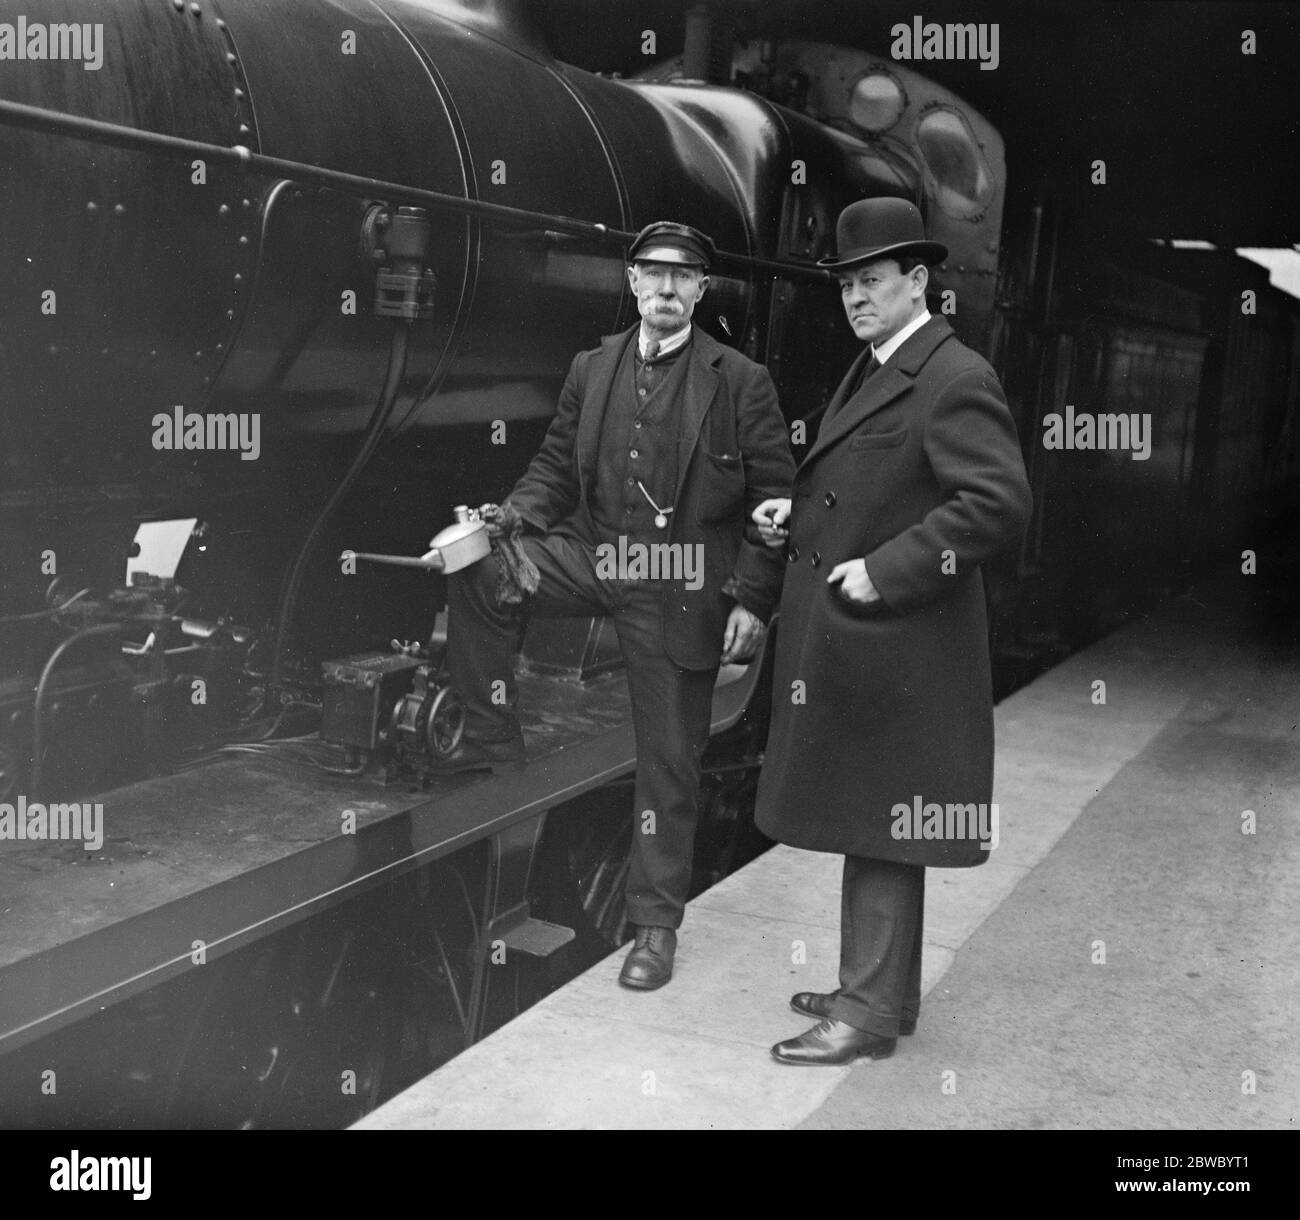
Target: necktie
870,367
652,349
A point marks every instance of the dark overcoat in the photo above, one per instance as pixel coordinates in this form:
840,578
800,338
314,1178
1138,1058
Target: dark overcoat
876,707
733,452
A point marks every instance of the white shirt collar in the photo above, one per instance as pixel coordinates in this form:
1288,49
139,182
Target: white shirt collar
890,346
666,346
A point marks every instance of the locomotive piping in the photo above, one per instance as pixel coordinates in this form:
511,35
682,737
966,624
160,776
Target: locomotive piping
54,122
43,690
374,432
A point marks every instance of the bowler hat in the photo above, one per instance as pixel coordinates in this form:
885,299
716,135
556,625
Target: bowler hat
881,228
667,242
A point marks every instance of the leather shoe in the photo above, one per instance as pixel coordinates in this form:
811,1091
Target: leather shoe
650,963
818,1004
833,1042
474,755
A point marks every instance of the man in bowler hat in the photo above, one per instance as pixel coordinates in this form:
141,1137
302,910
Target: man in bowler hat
662,435
882,691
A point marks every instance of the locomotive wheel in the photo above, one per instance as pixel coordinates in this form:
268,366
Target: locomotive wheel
599,864
727,838
325,1009
358,1038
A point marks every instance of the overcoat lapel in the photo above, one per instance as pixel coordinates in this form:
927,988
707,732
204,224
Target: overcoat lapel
897,377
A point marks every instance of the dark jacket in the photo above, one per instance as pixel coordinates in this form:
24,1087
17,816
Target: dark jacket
920,474
733,453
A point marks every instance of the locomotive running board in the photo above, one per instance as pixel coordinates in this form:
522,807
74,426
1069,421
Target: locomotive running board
142,931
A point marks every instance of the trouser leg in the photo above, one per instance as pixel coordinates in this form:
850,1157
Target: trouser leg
912,992
671,707
882,908
482,633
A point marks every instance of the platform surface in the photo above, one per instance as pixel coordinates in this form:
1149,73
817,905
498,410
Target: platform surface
1126,958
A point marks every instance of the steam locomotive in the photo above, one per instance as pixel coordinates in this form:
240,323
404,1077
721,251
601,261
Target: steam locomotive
288,281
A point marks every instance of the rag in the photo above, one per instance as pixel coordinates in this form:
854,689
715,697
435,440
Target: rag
517,574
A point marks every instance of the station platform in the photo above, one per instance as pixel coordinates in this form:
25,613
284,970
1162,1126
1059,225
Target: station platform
1128,957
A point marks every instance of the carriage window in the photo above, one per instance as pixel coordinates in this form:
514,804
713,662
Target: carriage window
956,162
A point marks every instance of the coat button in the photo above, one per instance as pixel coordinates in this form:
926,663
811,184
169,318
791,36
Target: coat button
793,554
830,499
815,558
